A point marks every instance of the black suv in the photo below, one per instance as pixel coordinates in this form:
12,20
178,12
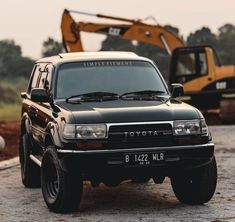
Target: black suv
108,117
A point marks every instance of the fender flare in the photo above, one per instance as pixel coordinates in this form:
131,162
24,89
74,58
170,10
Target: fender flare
52,134
25,124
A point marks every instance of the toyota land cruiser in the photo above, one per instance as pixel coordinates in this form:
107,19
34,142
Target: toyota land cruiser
107,117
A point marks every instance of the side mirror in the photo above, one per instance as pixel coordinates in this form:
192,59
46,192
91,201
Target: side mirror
40,95
176,90
23,95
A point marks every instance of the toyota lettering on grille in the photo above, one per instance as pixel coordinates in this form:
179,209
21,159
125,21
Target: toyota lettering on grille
147,133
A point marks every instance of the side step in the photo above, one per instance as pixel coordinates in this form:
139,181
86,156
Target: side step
36,159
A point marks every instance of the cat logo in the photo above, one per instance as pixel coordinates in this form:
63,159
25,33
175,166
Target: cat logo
114,31
221,85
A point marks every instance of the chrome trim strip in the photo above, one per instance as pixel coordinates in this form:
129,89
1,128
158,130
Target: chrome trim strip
133,123
133,149
138,123
38,130
35,160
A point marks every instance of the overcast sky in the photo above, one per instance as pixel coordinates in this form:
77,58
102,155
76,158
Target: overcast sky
30,22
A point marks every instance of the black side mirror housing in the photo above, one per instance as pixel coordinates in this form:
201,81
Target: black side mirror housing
23,95
176,90
40,95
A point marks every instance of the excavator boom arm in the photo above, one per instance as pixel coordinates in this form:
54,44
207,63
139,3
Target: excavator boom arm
139,31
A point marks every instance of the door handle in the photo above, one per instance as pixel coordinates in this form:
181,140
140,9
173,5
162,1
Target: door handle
209,79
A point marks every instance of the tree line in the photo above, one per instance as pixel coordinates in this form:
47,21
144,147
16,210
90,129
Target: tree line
13,64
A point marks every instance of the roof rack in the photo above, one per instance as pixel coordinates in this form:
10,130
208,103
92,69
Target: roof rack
100,53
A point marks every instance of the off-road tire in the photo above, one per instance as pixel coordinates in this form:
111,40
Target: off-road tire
196,186
62,191
30,172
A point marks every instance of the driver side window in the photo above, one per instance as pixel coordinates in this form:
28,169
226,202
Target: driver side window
34,79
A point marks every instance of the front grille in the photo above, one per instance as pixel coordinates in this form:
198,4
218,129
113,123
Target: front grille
147,135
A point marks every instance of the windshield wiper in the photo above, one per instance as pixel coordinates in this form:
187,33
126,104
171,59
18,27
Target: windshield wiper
100,96
92,96
143,93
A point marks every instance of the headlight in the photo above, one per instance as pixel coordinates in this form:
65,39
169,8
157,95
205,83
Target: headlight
85,131
190,127
204,127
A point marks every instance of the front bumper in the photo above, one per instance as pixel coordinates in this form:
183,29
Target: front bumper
111,162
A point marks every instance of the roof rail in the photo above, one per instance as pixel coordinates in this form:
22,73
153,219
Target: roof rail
100,53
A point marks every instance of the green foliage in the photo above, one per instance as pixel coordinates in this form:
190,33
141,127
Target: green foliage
12,63
202,36
10,90
226,44
51,47
10,112
14,73
10,106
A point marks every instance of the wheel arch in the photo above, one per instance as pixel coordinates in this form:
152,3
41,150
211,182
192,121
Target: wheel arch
52,135
48,140
25,124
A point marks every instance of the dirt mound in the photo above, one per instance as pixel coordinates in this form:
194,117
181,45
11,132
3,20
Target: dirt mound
10,132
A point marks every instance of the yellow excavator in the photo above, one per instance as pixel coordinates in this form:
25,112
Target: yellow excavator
208,85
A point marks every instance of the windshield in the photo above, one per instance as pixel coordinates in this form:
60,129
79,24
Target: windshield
107,76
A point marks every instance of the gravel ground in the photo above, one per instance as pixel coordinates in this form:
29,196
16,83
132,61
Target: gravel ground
129,201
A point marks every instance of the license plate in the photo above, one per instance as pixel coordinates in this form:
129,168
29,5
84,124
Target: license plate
143,158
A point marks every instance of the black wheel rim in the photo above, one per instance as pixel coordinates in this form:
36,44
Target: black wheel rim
51,180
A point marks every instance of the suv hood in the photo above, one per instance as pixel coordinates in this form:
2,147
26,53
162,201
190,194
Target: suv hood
129,111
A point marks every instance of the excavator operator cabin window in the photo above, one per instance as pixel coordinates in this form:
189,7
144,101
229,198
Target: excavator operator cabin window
191,65
202,63
186,65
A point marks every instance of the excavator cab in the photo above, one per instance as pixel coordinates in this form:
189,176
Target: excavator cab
195,68
192,66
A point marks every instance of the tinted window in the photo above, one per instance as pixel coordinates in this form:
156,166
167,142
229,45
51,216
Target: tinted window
109,76
43,78
34,79
190,65
49,69
186,64
203,70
